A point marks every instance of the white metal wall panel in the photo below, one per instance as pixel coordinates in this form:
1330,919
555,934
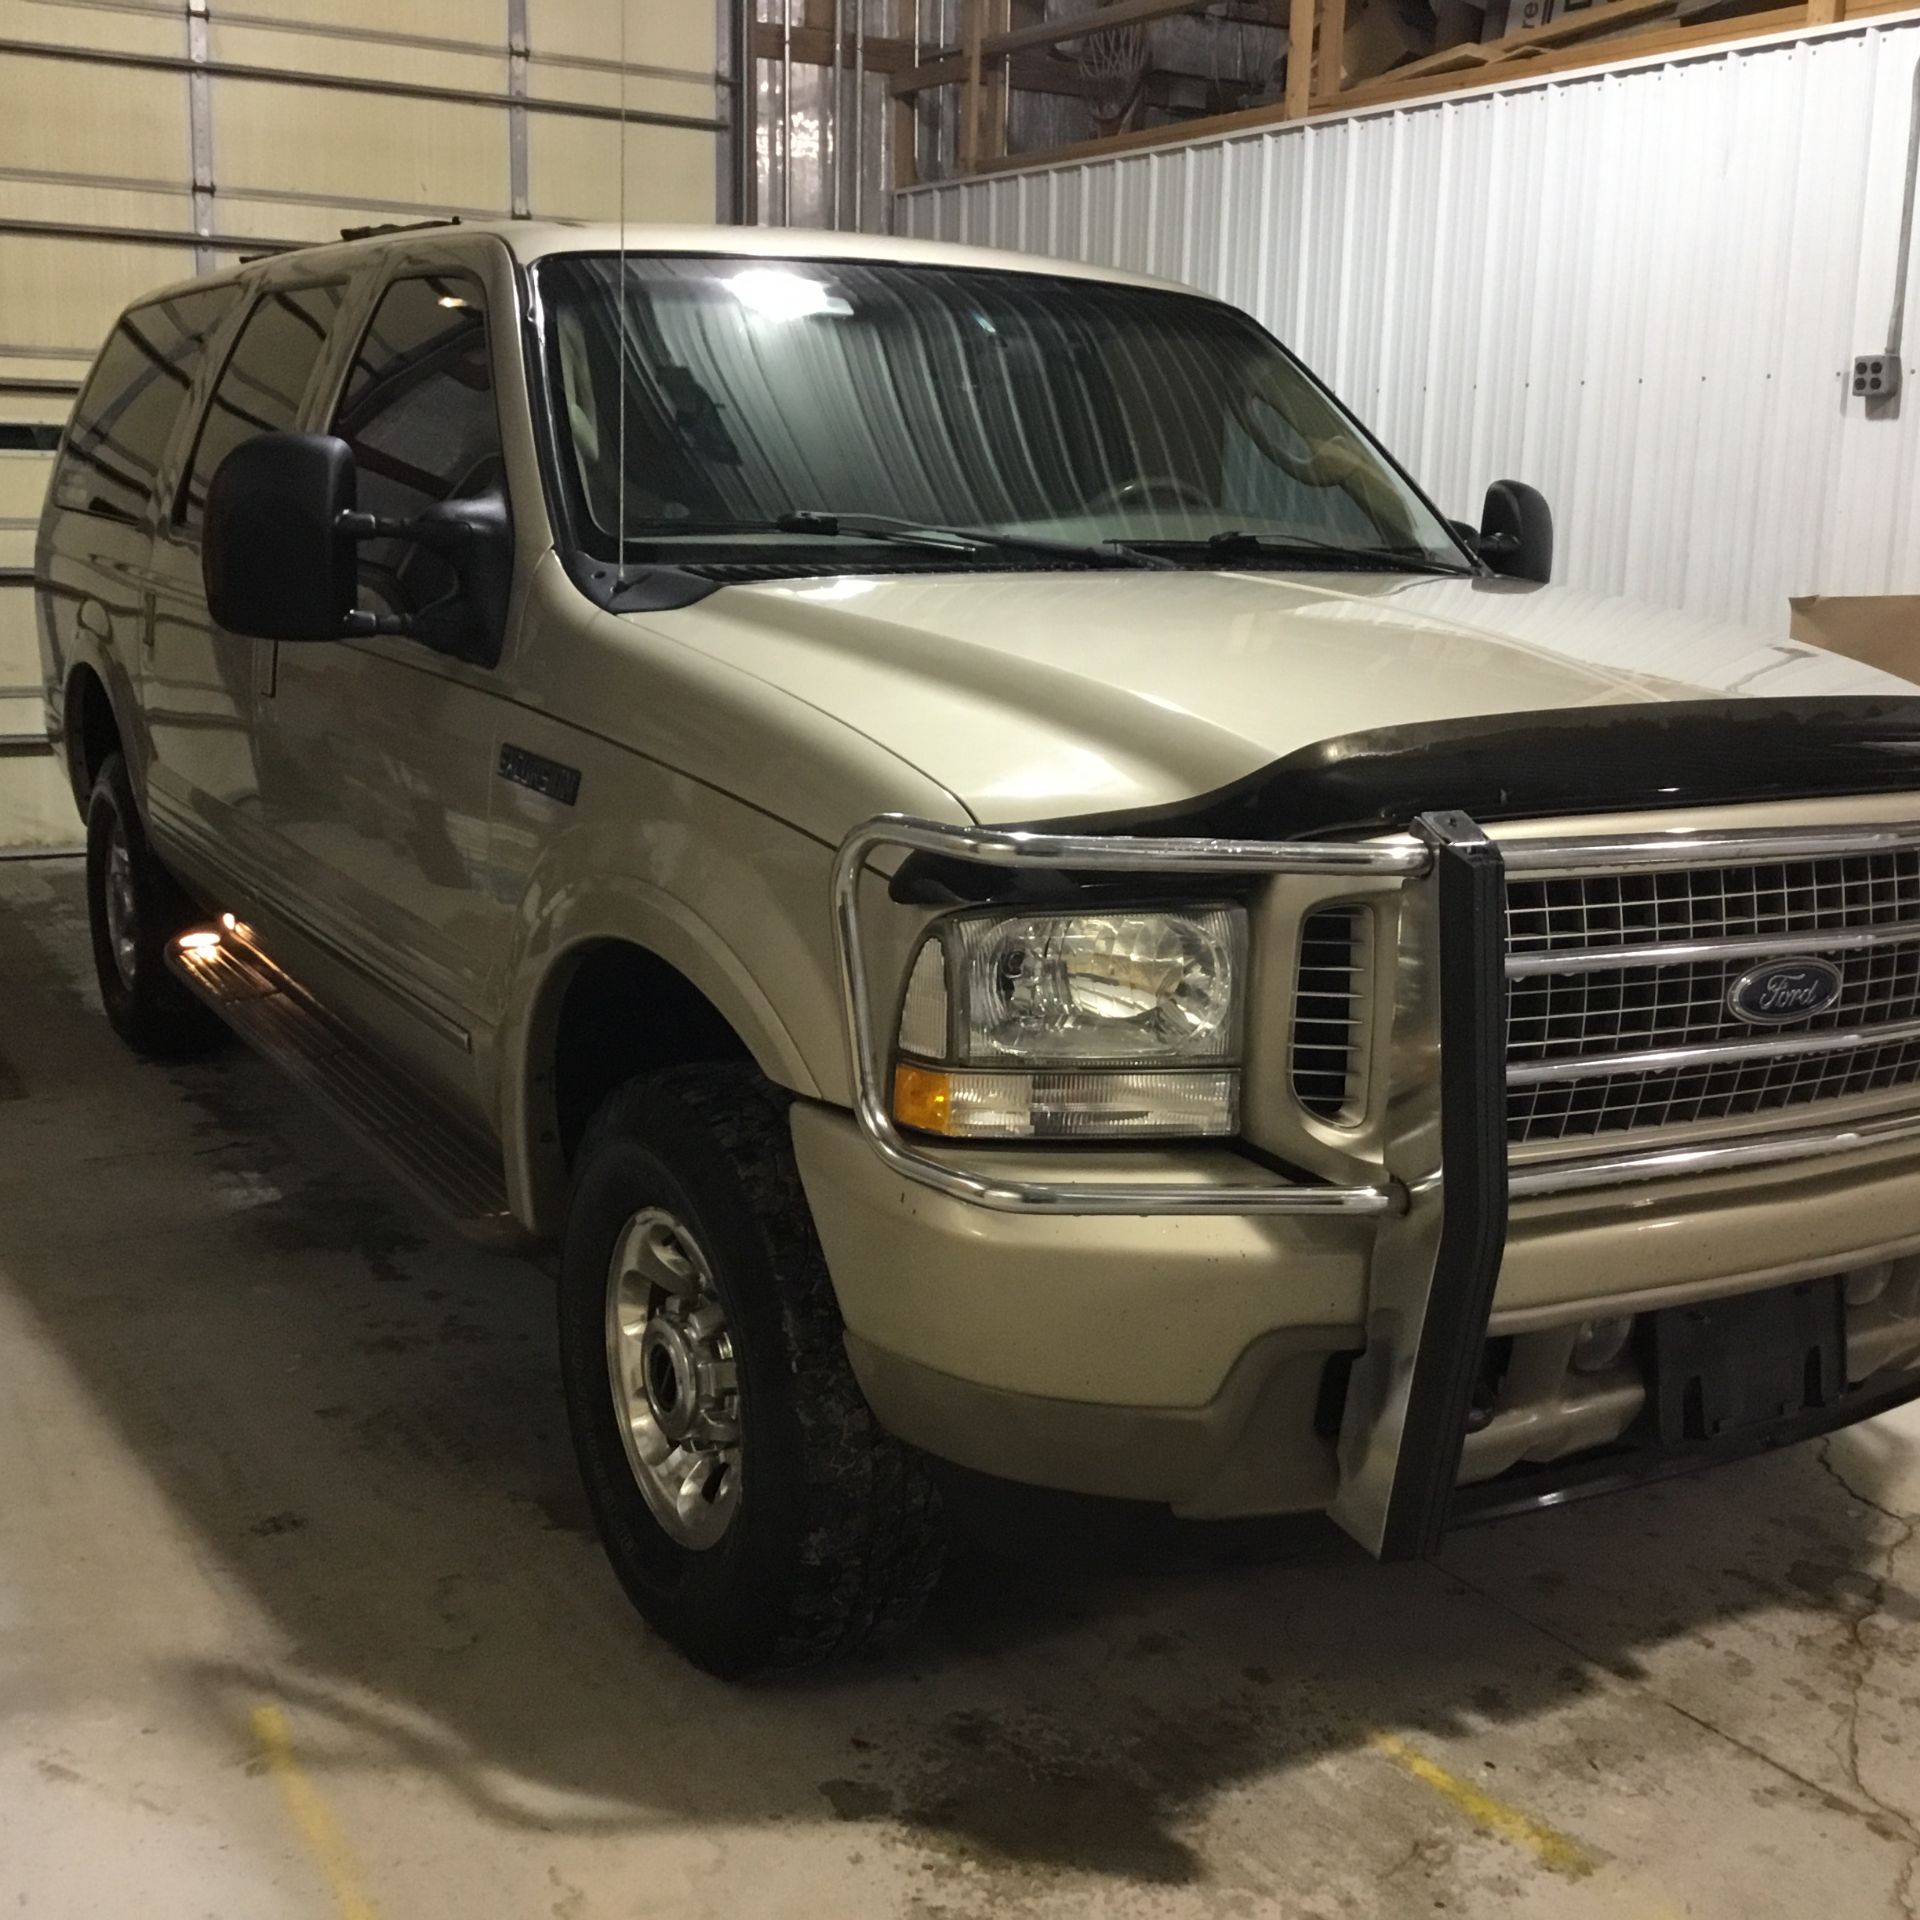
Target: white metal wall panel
1641,290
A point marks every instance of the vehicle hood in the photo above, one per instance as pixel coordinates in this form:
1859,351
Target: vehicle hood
1053,695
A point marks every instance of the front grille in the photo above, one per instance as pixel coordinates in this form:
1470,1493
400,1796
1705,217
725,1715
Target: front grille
1329,1053
1775,911
1706,903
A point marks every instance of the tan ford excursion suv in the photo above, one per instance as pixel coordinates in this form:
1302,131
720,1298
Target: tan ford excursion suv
963,842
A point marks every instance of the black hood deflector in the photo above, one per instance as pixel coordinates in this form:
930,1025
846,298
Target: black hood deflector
1582,760
1513,766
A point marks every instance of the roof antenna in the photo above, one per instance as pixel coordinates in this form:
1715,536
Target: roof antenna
620,392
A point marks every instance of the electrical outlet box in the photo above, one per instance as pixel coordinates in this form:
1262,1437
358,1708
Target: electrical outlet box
1876,375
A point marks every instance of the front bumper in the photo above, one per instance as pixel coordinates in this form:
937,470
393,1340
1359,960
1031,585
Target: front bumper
1164,1328
1196,1360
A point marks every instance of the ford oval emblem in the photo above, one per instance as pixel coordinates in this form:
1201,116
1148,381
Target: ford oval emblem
1784,990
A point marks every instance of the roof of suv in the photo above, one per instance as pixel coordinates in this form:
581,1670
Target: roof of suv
530,240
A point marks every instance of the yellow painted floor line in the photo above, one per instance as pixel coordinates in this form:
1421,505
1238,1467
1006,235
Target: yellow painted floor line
312,1817
1554,1850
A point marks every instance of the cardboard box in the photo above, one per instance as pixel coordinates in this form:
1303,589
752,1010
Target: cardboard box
1381,34
1880,629
1525,15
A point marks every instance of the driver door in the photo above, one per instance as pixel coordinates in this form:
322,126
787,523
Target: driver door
379,754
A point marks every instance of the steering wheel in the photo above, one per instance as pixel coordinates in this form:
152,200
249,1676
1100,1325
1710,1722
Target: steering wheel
1148,487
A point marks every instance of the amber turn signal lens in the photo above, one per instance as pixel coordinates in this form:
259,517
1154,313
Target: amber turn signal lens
922,1099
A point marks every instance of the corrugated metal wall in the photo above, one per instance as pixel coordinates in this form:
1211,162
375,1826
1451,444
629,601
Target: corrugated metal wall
142,139
1640,290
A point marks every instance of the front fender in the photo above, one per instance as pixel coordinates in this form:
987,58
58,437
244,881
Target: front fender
579,898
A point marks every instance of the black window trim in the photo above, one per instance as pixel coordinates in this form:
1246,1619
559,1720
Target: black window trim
337,391
174,525
432,276
340,376
66,453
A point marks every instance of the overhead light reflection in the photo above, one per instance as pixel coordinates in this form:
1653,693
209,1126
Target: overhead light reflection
777,293
844,588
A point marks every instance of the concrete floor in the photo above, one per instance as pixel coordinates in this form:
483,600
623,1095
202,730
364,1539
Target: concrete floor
300,1615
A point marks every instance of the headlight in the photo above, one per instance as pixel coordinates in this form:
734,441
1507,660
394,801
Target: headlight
1075,1025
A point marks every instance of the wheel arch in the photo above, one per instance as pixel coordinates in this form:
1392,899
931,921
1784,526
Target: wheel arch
89,728
621,994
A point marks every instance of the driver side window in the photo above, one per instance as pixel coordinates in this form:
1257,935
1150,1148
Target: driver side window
418,411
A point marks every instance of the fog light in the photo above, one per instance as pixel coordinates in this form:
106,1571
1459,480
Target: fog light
201,940
1600,1343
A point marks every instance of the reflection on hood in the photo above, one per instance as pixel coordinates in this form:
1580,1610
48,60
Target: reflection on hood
1052,694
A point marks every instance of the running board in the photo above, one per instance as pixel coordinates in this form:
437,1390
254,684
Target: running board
406,1130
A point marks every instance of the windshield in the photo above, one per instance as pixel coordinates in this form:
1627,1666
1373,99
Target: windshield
1029,404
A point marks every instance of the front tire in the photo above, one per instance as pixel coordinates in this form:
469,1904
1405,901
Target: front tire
756,1512
135,907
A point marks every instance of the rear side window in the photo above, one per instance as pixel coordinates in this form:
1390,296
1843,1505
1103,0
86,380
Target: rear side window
132,398
261,386
419,414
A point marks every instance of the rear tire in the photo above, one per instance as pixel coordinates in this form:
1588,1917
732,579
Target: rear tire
135,908
811,1531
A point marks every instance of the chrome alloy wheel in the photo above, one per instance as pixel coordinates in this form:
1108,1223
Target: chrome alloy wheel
123,919
676,1387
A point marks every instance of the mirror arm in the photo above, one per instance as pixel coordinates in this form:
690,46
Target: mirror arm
440,532
371,526
475,536
359,623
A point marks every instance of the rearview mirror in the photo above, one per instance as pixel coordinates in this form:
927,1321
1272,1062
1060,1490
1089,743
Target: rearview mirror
275,560
1516,531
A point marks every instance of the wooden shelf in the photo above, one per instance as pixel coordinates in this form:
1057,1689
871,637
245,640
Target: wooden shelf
1614,30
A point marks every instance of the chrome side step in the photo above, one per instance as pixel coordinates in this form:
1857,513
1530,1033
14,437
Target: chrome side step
412,1136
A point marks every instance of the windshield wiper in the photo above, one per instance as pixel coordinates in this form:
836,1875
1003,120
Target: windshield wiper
1269,546
882,526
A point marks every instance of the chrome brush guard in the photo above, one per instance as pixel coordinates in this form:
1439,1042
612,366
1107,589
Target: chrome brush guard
1441,1209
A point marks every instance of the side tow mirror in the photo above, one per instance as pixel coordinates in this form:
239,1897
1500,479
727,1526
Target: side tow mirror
275,560
1516,531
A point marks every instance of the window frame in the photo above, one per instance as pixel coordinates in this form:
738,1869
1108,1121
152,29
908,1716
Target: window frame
474,280
233,297
325,406
175,522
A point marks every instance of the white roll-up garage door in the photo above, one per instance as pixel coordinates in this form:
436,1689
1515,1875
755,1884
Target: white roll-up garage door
144,140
